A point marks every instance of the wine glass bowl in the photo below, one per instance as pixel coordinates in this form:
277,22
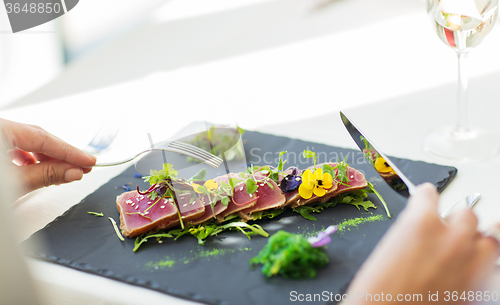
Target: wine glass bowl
462,25
457,30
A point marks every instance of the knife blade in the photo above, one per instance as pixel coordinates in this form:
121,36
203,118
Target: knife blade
390,172
382,164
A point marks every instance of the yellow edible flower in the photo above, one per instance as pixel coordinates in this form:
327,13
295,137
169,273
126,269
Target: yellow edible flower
315,183
209,185
382,167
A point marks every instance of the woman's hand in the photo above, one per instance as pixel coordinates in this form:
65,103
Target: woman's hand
42,158
424,254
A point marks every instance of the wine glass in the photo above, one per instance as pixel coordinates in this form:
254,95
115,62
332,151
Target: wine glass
462,25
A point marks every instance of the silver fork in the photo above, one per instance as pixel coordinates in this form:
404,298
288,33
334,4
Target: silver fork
178,147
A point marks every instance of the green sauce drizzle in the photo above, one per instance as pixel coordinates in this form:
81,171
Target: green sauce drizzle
354,222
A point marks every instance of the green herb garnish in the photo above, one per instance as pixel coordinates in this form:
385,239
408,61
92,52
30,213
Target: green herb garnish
373,190
113,222
289,255
355,197
96,214
167,173
144,238
310,154
267,214
203,231
274,173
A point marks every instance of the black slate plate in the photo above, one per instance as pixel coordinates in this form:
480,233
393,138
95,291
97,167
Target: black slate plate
218,272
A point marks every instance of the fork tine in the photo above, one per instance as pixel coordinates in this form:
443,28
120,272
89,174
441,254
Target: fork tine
190,147
213,160
194,149
206,158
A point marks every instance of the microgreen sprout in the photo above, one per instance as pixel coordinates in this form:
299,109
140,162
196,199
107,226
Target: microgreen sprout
113,222
310,154
96,214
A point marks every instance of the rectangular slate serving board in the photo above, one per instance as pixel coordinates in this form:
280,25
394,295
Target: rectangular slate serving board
218,272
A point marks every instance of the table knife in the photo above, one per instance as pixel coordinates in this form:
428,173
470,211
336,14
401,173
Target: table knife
382,164
466,203
390,172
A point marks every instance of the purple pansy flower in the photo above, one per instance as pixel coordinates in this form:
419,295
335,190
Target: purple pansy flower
291,182
323,237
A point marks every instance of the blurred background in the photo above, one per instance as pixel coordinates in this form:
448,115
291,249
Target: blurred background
191,32
121,62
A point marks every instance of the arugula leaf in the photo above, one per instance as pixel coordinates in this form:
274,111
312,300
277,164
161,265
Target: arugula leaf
206,230
267,214
306,210
232,216
144,238
365,204
203,231
254,229
356,198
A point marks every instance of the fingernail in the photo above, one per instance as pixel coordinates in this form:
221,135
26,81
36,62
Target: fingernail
92,157
73,174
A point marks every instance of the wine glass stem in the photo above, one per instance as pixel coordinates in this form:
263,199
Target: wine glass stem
463,83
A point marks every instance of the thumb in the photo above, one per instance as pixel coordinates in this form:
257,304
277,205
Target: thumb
426,198
47,173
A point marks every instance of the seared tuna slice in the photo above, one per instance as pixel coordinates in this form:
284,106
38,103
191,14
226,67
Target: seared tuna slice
269,197
357,181
139,214
188,210
209,213
241,200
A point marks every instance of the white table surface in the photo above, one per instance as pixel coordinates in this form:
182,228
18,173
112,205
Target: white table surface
283,71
